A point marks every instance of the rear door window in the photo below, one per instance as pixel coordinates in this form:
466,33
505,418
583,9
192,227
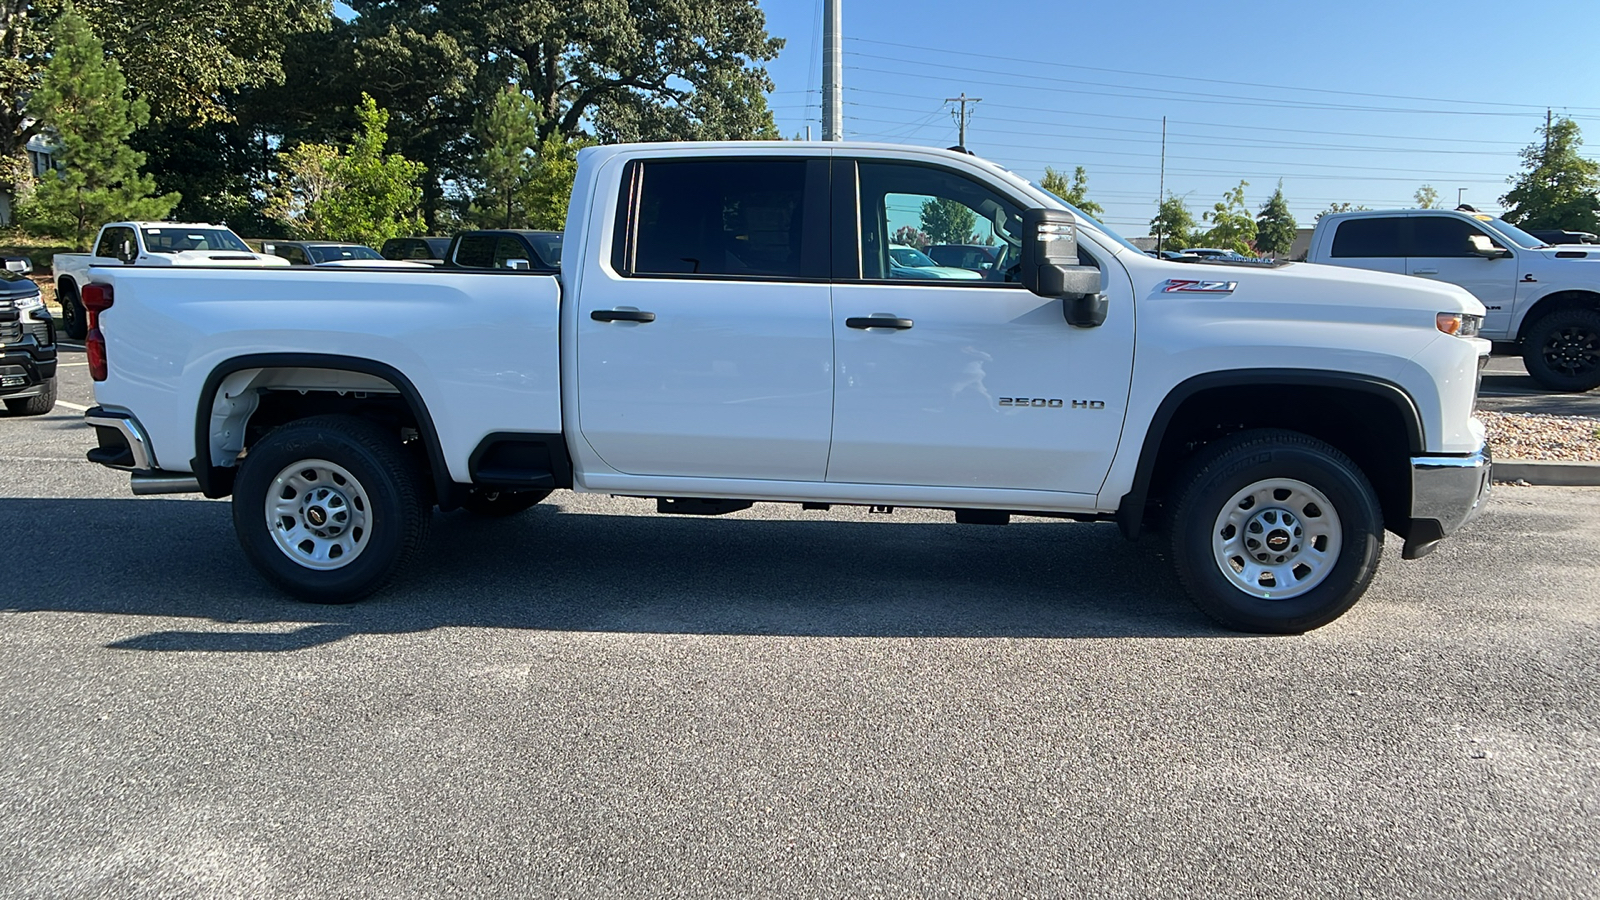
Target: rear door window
477,251
1375,238
724,218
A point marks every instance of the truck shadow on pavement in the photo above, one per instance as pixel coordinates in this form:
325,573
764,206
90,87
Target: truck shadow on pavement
553,570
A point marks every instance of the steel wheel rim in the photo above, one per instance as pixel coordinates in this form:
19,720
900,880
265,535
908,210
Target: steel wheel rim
1573,350
1277,538
318,514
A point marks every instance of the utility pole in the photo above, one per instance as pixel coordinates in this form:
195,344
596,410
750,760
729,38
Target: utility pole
961,116
832,72
1161,192
1459,192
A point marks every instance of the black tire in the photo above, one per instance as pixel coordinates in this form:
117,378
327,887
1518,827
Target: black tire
36,405
1217,484
499,504
74,323
383,494
1562,350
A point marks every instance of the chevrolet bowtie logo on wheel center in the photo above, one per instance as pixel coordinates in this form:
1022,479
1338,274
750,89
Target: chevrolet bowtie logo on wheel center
316,515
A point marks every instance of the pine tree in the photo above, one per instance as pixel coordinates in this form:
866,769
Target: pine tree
509,131
1275,225
1559,187
82,101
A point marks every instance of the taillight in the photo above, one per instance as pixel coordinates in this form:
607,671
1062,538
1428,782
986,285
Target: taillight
96,299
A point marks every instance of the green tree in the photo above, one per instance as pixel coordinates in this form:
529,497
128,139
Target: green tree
1173,225
82,101
184,57
1232,226
1074,192
1558,187
355,194
1339,208
1275,225
509,131
24,42
546,193
948,221
1426,197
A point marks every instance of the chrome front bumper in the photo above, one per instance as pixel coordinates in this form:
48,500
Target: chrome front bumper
1447,492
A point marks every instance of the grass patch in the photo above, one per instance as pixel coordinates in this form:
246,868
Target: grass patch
14,242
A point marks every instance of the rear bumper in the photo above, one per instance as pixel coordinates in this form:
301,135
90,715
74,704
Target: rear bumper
1447,492
123,444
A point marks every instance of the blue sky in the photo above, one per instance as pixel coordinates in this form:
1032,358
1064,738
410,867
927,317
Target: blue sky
1359,102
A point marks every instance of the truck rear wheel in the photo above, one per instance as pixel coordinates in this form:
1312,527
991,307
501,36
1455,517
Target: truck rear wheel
36,405
1275,532
330,508
74,324
1562,350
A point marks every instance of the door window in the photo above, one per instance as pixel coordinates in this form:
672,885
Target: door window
1377,238
906,209
742,218
476,251
116,243
1444,236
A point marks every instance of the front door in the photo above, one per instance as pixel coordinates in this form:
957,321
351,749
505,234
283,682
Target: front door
1442,249
710,352
972,381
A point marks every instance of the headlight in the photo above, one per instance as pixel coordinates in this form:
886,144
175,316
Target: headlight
1459,324
24,304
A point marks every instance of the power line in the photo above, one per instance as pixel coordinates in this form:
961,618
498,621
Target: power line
1195,78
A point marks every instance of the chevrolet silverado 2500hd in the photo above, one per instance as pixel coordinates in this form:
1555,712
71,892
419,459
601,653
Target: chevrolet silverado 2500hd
727,328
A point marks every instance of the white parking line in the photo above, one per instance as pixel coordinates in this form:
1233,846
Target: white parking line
62,365
73,406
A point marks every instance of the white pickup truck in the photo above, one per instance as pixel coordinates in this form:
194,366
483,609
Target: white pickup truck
1544,297
727,328
147,244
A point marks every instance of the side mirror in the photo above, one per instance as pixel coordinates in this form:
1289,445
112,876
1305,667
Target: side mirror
518,264
1482,246
1050,267
127,251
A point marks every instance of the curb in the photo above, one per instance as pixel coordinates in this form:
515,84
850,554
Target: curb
1563,474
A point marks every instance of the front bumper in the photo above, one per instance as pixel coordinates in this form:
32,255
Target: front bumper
1447,492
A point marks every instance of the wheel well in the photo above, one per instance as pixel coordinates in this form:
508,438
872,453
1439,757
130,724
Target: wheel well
241,404
1368,427
1554,302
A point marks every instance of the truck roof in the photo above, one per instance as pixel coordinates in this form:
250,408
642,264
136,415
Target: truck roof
165,224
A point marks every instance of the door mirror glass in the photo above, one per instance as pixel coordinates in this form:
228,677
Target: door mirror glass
1483,246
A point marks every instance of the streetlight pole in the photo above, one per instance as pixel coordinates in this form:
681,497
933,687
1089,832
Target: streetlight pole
1459,192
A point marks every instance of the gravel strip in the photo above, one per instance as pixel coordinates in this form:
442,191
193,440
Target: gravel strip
1539,437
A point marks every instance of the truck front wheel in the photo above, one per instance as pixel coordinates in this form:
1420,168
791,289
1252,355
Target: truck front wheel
1562,350
1275,532
329,509
74,324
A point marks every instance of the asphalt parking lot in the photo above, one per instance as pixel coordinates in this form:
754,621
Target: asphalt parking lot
586,701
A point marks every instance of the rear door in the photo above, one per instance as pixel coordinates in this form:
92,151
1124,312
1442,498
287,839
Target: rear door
708,351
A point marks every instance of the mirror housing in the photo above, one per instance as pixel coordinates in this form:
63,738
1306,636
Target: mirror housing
518,264
1050,267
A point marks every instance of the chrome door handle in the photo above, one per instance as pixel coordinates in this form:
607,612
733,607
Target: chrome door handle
877,322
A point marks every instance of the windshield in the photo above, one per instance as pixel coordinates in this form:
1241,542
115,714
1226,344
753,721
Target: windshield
331,253
1091,220
911,257
178,239
1512,233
